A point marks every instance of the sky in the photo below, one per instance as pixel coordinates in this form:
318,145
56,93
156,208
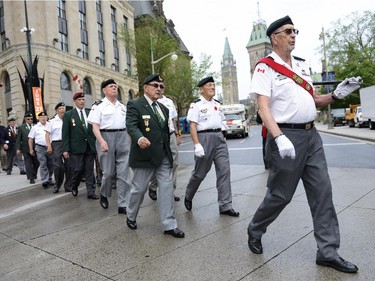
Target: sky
203,25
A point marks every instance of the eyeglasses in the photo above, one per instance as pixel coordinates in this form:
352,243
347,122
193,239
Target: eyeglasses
29,118
156,86
288,31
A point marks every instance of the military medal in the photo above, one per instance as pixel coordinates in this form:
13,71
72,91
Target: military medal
73,122
146,120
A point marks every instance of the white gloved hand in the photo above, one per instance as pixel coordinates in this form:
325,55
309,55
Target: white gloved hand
286,147
347,86
198,150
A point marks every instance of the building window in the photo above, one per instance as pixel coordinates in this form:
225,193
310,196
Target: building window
87,87
65,82
83,29
119,94
128,69
63,26
2,27
99,19
114,39
7,93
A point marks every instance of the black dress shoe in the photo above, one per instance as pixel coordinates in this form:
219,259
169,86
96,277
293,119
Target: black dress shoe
74,191
255,245
122,210
131,224
50,182
231,213
45,184
176,198
68,190
93,196
32,181
22,173
9,173
339,264
55,189
103,202
188,204
175,233
152,193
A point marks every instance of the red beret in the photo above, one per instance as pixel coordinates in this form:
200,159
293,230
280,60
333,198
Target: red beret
78,95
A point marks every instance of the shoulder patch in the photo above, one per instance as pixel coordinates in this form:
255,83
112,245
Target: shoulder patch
97,102
298,58
197,100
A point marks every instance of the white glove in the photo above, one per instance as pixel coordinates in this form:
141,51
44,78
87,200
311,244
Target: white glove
286,147
198,150
347,86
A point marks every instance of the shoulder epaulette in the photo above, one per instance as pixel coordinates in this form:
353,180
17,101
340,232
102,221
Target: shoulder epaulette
217,101
97,102
297,58
197,100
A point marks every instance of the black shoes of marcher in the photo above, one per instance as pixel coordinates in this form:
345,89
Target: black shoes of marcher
45,185
32,181
152,193
339,264
131,224
188,204
75,191
103,202
9,173
93,196
255,245
175,233
55,189
121,210
231,213
22,173
176,198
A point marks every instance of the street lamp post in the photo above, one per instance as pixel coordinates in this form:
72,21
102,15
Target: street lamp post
28,32
327,87
153,62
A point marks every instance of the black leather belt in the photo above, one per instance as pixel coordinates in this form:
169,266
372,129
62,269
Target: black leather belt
210,131
113,130
41,145
56,141
304,126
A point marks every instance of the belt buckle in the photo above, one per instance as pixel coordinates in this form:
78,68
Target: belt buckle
308,126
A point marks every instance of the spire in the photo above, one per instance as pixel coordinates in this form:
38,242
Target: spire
227,51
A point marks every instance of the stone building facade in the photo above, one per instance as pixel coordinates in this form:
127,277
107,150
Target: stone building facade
78,45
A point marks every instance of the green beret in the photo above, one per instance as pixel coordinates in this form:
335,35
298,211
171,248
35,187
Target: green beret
28,114
107,82
153,77
42,114
205,81
278,23
59,104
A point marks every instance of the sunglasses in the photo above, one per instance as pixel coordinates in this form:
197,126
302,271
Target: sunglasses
29,118
156,86
289,31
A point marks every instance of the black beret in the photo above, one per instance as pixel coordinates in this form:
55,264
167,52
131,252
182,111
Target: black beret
59,104
205,81
107,82
28,114
153,77
278,23
78,95
42,114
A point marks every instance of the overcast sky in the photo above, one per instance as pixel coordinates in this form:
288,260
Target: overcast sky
204,24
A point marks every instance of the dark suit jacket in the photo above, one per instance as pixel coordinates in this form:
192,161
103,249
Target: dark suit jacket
2,134
75,138
137,114
11,137
23,138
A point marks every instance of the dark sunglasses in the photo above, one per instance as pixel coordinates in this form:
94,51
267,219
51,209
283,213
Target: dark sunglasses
156,86
29,118
288,31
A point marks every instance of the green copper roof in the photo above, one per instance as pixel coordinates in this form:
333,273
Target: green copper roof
227,52
258,34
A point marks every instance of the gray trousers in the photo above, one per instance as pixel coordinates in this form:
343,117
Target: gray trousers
140,183
216,151
174,148
45,163
284,174
115,163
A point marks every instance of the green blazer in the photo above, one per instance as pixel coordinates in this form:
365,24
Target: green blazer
22,142
75,138
142,121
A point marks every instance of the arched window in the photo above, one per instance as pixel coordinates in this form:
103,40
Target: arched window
130,95
119,94
7,93
65,82
87,87
7,83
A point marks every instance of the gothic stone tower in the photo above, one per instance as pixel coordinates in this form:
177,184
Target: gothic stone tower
229,76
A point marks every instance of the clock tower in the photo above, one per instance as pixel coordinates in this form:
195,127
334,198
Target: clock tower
229,76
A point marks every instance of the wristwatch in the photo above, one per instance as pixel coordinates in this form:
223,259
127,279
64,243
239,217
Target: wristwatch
333,96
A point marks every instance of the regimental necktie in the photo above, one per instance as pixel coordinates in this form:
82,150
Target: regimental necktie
161,121
83,120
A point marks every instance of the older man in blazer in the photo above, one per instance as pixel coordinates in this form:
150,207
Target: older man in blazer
78,146
150,153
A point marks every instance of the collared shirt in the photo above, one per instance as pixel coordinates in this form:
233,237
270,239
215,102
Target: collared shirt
157,106
55,128
38,133
289,102
207,114
108,115
168,103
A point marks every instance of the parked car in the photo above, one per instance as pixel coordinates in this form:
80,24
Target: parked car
338,116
